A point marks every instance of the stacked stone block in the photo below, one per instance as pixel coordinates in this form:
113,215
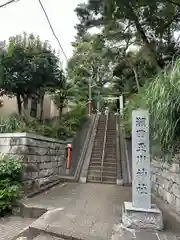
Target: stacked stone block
43,158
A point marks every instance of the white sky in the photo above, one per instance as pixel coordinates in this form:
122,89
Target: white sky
27,15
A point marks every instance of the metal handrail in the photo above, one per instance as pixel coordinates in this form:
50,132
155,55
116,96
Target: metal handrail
104,145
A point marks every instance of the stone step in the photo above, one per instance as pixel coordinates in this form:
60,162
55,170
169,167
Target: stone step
94,167
98,146
108,163
97,149
96,155
106,160
98,178
99,137
94,175
111,145
96,152
46,237
99,140
95,163
104,173
96,159
110,155
110,159
104,180
108,169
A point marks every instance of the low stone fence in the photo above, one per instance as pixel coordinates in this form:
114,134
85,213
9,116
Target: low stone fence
43,158
166,182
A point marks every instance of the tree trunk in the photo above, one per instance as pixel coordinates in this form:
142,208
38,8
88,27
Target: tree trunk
19,104
34,104
42,93
25,105
144,38
136,78
134,71
60,111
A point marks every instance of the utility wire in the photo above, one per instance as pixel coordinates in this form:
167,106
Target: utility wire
53,29
7,3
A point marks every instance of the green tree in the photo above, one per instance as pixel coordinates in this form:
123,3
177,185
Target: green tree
146,22
29,67
90,66
65,94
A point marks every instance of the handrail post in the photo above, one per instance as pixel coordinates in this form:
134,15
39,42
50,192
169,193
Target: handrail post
104,145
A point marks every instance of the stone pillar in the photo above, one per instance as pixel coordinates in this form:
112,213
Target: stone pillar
121,103
140,213
141,186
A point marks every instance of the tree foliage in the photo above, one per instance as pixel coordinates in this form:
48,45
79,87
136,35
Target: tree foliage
27,66
148,24
90,65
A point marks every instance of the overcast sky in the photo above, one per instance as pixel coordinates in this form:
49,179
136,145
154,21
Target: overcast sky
27,15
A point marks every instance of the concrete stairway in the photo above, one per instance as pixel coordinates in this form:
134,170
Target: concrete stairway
110,164
94,171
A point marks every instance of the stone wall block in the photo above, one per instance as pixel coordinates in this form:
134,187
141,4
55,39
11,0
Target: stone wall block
174,168
31,167
5,149
165,174
167,185
42,158
166,181
15,141
5,142
160,191
177,204
169,198
46,172
176,189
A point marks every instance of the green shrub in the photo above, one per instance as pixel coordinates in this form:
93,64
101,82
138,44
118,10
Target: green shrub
163,100
134,101
56,128
11,123
10,182
162,97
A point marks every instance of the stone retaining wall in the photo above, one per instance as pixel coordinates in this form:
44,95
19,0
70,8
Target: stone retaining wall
166,182
43,158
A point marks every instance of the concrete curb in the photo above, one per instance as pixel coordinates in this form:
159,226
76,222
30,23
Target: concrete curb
43,189
85,167
125,159
119,180
39,226
85,147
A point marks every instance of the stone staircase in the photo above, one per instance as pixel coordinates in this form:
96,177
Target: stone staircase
109,170
110,161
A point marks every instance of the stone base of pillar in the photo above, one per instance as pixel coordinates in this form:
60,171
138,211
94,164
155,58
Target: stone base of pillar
139,218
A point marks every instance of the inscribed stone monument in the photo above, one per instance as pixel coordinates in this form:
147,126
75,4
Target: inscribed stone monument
140,213
141,160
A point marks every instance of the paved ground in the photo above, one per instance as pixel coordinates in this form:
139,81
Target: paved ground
92,211
11,226
86,211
